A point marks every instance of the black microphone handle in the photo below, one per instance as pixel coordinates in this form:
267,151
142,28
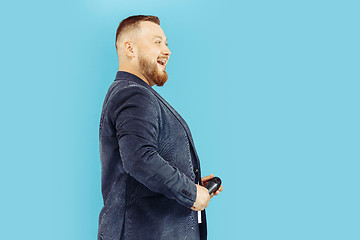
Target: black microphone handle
213,185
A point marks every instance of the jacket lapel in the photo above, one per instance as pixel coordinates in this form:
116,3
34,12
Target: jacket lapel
182,122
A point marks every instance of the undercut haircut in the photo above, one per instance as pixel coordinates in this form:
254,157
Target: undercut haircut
132,23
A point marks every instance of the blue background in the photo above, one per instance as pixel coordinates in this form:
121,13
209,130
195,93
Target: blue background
270,90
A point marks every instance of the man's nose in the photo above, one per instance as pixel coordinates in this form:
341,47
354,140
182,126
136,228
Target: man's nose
166,51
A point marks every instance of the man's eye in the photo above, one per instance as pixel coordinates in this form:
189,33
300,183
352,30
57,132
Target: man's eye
158,42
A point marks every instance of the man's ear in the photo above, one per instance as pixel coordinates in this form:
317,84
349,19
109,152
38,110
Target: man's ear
129,49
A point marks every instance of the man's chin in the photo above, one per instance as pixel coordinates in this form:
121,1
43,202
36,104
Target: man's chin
161,79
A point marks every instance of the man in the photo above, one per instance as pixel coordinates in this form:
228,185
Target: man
151,182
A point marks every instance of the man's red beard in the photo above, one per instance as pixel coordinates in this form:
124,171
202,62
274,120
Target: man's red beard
151,72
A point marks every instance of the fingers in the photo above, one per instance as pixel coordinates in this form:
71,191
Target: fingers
219,190
207,178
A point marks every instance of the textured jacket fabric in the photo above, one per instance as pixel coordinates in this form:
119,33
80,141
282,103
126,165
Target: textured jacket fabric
149,166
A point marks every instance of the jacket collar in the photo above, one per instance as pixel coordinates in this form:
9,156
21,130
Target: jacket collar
121,75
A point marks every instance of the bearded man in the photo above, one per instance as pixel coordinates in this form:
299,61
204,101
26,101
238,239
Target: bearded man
151,182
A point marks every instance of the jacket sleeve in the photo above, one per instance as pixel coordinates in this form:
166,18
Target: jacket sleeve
137,127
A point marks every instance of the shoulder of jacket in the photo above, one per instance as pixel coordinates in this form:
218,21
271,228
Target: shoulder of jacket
125,89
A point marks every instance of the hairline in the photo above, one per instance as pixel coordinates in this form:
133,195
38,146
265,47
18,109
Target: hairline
134,28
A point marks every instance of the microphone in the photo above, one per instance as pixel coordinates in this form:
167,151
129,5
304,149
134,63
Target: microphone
213,185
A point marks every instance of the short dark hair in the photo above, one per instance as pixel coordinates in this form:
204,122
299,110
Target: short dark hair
133,22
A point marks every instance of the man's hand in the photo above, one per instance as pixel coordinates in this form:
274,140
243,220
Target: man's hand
205,180
202,198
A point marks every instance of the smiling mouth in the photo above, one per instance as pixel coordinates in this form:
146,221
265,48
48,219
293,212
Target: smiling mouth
162,62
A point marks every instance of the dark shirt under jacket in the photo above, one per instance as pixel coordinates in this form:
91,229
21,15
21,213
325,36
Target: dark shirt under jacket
149,166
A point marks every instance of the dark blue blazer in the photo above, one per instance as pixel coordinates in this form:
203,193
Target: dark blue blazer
149,166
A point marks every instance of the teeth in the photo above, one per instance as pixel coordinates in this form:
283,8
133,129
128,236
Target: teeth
162,62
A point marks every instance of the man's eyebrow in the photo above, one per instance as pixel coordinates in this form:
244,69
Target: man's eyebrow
160,37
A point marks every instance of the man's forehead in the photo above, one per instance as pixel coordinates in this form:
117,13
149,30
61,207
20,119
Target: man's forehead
151,29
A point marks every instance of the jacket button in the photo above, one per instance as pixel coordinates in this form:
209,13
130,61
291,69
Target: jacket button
186,193
196,170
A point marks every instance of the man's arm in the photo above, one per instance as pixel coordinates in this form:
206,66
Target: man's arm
137,124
